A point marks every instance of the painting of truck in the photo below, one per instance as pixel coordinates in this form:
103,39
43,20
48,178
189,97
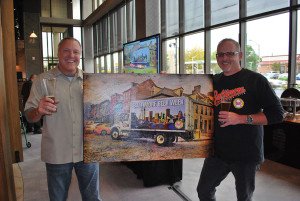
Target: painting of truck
163,120
130,117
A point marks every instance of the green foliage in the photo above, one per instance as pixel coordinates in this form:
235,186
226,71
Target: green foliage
214,66
194,54
252,59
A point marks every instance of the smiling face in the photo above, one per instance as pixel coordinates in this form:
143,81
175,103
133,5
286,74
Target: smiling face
69,52
230,64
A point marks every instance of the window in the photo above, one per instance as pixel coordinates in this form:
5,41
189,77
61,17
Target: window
261,6
170,57
115,62
76,9
61,9
102,64
172,18
193,15
194,54
51,36
217,35
265,53
130,21
224,11
108,63
109,34
97,65
191,29
113,31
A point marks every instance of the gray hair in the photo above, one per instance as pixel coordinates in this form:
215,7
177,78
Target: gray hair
236,44
68,38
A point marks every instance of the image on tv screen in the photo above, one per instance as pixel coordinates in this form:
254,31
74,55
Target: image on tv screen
142,56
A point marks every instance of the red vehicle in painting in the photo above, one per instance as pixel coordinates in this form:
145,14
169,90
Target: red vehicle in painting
102,129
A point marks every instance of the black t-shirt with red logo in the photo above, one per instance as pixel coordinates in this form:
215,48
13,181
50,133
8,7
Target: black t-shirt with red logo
250,93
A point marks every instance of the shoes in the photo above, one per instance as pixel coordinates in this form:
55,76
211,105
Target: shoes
39,131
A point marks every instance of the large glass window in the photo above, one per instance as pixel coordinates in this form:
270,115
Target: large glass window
113,19
172,18
217,35
130,21
102,64
267,50
51,36
61,9
122,36
171,54
108,63
194,54
97,65
186,25
115,62
110,33
50,39
193,15
76,9
261,6
224,11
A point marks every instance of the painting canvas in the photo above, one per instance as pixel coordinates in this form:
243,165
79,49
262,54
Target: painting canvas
142,56
136,117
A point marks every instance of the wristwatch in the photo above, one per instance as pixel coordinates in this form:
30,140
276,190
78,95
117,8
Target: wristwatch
249,119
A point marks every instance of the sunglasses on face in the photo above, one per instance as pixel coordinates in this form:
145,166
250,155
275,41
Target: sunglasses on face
228,54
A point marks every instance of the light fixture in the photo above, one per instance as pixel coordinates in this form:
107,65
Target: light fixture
33,35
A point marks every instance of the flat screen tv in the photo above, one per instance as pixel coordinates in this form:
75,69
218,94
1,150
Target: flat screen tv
142,56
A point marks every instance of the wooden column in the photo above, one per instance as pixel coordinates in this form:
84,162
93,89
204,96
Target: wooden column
10,137
140,10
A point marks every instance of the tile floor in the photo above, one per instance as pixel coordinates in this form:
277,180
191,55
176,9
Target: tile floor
275,182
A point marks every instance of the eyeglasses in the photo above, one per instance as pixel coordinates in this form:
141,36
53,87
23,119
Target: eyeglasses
229,54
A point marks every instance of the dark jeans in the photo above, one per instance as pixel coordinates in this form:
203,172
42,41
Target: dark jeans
59,179
215,170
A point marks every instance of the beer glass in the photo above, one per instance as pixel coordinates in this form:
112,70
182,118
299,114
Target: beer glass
49,87
225,106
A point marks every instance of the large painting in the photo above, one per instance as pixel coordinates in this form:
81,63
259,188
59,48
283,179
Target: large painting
135,117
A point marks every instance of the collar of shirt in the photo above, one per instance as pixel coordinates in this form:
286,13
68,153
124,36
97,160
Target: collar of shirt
57,72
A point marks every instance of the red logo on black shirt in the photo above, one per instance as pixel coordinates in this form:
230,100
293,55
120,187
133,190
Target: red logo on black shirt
227,94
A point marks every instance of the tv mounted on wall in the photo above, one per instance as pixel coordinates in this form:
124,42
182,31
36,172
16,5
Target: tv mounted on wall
142,56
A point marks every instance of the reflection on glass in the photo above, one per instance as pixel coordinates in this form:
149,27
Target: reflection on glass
121,64
108,64
77,33
116,63
261,6
102,67
172,17
266,54
97,65
59,9
216,36
224,11
76,9
193,15
171,60
194,54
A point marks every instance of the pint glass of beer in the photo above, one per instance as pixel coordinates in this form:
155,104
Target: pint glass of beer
49,87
